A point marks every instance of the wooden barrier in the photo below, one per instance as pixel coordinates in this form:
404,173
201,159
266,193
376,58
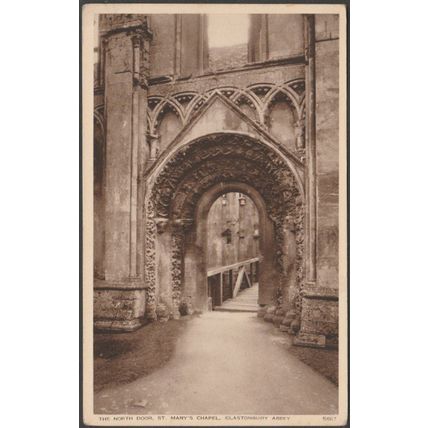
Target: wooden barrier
242,274
221,269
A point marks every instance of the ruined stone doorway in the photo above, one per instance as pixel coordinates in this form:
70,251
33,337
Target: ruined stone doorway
181,193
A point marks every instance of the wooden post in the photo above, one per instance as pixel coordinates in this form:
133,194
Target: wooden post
250,284
238,281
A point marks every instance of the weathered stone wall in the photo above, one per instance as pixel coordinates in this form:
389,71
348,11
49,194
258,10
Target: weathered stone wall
327,135
238,215
275,36
120,149
277,106
179,46
240,78
118,310
281,122
99,184
285,35
151,109
320,304
169,126
228,57
163,47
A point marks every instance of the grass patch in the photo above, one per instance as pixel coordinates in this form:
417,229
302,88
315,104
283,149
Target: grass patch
121,358
324,361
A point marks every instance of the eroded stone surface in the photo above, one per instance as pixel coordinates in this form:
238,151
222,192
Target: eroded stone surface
156,101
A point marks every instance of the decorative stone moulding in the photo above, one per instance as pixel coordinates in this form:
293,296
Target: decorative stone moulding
300,134
161,225
176,189
182,223
319,317
118,309
259,97
150,262
138,31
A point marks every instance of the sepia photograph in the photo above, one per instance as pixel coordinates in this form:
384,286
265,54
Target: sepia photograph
215,242
182,183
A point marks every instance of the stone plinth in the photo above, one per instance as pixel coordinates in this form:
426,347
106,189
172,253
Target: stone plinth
120,298
319,318
117,308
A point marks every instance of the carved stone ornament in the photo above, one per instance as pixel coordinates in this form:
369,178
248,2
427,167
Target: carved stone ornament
182,224
299,127
141,37
150,261
258,97
223,158
161,225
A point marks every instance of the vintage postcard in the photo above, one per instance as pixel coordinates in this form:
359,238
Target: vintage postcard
214,153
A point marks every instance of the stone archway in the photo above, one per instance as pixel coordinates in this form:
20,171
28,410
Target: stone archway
195,246
178,198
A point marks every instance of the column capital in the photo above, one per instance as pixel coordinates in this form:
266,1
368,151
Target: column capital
137,30
299,130
153,142
136,26
182,224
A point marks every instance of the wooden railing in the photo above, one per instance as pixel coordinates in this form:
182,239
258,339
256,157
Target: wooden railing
221,269
246,273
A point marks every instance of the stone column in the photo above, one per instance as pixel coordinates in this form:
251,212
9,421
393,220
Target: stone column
289,251
305,336
203,44
299,130
310,171
320,293
177,47
153,141
164,301
179,229
120,296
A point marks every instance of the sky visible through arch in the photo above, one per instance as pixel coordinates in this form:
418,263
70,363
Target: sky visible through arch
227,30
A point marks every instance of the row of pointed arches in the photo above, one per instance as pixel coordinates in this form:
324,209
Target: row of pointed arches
256,101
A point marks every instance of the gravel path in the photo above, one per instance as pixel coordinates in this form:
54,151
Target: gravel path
226,363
